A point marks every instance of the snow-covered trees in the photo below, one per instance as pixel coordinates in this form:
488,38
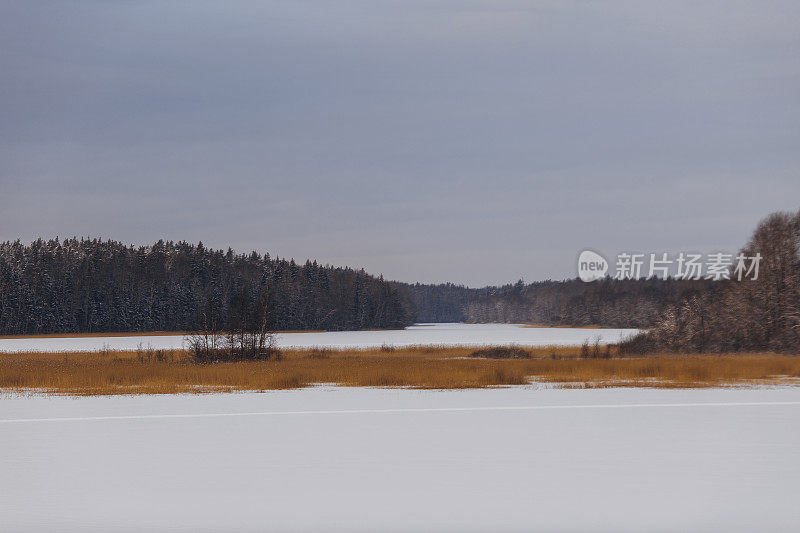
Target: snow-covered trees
98,286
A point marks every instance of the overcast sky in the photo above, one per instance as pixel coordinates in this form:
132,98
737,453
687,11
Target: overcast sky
472,141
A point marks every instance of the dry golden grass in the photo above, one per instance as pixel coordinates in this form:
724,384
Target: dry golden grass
430,367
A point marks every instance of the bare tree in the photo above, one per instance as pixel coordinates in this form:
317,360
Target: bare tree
747,314
246,337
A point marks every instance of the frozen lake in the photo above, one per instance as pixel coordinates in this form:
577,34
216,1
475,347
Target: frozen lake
344,459
418,334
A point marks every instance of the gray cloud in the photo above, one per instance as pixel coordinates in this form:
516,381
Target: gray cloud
470,141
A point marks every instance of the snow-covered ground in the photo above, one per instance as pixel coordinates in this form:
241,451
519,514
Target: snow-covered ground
441,334
346,459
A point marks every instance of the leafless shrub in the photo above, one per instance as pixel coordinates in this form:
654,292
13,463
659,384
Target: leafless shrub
640,344
502,352
232,346
593,350
141,355
319,353
150,355
585,349
246,338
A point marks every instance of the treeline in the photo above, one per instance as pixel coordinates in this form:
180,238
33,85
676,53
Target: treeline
104,286
608,302
733,315
445,302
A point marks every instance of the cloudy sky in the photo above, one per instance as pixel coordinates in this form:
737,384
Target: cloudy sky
472,141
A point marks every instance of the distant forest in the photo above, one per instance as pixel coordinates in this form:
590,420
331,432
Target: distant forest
608,302
83,285
104,286
445,302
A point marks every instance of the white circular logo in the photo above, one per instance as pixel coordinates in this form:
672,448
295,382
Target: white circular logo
591,266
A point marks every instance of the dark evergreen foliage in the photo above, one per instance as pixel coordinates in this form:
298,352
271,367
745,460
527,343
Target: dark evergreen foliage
445,302
103,286
607,302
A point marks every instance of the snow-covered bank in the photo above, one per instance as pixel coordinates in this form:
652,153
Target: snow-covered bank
375,460
418,334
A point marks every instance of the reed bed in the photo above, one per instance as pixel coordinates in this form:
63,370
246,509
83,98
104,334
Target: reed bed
428,367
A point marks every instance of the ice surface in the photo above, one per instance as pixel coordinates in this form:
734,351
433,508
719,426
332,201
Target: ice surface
444,334
727,467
